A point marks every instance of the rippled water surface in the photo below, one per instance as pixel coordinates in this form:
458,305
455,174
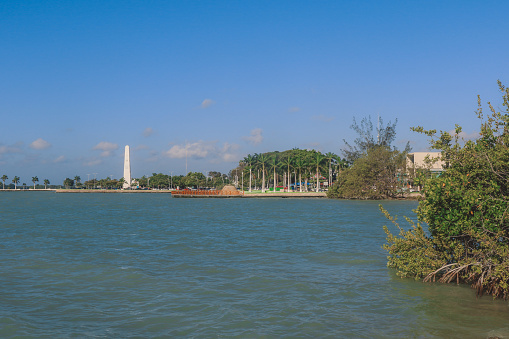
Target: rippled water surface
148,265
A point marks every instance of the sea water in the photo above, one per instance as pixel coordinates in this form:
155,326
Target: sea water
148,265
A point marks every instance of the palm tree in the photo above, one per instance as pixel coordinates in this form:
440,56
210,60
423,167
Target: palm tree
34,180
4,177
287,162
15,181
103,183
274,164
249,161
77,180
262,161
46,183
300,163
68,183
308,167
318,158
340,163
331,157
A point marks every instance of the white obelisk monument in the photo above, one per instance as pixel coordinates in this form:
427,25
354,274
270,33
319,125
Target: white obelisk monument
127,168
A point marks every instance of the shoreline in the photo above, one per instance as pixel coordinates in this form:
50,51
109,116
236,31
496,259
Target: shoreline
245,195
316,195
64,190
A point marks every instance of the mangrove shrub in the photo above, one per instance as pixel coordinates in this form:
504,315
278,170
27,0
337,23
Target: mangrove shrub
466,209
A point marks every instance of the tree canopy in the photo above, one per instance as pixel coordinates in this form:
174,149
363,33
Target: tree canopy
377,171
376,175
366,139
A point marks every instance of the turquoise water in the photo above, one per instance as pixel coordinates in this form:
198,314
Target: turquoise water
148,265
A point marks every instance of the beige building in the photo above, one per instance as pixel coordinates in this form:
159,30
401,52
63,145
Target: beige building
421,160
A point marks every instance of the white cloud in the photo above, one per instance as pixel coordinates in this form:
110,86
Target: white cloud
59,159
197,150
466,136
322,118
256,136
10,149
107,148
204,149
148,132
207,103
40,144
293,109
228,152
141,147
4,149
92,162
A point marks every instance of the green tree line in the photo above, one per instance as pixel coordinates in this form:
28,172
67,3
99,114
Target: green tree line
16,181
295,169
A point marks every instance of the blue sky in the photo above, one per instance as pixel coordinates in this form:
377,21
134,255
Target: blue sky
82,79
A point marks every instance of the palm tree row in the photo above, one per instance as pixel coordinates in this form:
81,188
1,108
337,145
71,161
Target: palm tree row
17,179
301,163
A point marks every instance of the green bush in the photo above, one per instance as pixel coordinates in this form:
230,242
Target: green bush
372,176
466,209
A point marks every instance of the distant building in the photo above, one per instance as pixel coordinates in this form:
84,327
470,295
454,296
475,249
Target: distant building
418,160
428,161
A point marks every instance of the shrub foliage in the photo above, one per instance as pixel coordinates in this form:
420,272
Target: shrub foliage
376,166
466,209
373,176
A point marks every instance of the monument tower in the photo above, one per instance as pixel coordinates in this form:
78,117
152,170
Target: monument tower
127,168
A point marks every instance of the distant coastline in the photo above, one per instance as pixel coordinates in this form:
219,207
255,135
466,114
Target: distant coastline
246,194
64,190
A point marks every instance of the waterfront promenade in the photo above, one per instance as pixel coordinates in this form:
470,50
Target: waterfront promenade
286,195
63,190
